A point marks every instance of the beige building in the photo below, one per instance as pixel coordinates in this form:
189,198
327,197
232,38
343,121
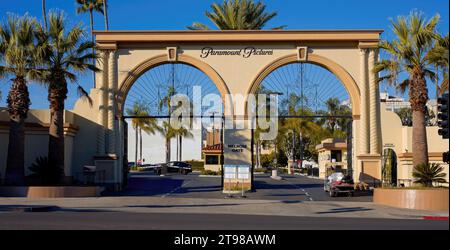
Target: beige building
237,62
332,153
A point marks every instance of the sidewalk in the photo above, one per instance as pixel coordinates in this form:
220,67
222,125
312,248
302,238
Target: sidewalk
220,206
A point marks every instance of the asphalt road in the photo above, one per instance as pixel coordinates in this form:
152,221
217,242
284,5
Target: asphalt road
64,220
291,188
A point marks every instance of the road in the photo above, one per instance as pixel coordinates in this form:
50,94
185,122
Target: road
62,220
291,188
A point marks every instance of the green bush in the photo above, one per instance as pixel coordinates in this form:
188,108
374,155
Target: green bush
196,165
46,172
426,174
209,172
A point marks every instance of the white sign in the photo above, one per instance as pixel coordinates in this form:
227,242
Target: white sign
229,171
243,172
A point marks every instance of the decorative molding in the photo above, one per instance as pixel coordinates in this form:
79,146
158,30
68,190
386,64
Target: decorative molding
172,54
302,53
368,44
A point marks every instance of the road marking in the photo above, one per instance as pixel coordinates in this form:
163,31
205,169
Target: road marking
175,189
302,189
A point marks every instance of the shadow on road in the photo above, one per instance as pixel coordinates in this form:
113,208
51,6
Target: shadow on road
345,210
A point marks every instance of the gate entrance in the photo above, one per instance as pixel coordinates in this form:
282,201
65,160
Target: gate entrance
237,63
314,106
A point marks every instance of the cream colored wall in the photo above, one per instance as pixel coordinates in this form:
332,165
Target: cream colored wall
36,141
401,139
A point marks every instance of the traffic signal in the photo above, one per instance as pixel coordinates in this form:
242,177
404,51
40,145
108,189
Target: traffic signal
445,157
443,116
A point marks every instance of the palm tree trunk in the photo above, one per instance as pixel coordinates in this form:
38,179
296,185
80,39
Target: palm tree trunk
91,17
105,7
258,154
418,96
178,147
181,148
44,14
140,144
56,97
167,150
136,145
18,105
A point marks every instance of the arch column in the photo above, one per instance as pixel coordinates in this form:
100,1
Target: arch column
112,84
364,121
102,112
373,107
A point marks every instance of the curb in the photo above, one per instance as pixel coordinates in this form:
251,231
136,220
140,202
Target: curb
435,217
29,209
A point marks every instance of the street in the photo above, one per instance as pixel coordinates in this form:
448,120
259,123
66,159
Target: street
192,202
291,188
172,221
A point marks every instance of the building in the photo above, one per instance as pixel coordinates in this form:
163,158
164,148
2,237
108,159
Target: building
332,153
212,151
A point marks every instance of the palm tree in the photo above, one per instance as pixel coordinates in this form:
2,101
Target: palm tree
90,6
19,55
148,125
438,57
409,53
237,15
168,132
66,54
426,174
44,14
105,8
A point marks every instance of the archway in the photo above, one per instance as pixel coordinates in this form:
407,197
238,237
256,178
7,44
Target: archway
315,119
147,65
154,148
346,79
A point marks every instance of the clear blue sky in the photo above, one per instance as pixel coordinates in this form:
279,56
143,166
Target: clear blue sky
177,14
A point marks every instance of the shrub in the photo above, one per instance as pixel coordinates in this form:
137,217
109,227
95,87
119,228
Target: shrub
209,172
426,174
48,173
196,165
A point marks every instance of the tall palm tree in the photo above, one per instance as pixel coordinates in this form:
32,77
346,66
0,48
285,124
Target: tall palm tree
105,9
44,14
169,133
409,52
438,57
237,15
90,6
66,55
148,125
19,55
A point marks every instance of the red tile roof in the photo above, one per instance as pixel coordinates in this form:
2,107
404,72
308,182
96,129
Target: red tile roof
216,147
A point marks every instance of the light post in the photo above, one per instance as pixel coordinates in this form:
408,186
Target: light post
275,162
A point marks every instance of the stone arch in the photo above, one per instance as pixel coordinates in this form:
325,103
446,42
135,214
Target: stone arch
346,79
143,67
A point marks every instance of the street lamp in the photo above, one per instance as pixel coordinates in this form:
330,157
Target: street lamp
275,163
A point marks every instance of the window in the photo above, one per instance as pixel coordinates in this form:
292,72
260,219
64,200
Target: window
337,155
212,159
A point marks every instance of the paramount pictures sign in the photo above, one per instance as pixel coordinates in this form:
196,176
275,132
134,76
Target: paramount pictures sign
244,52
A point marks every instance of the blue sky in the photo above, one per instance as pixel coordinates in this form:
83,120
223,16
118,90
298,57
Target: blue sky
177,14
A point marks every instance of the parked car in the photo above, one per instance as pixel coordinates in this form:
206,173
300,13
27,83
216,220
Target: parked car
174,167
148,167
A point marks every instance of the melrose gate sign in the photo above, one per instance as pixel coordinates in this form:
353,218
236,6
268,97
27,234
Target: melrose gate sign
127,55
